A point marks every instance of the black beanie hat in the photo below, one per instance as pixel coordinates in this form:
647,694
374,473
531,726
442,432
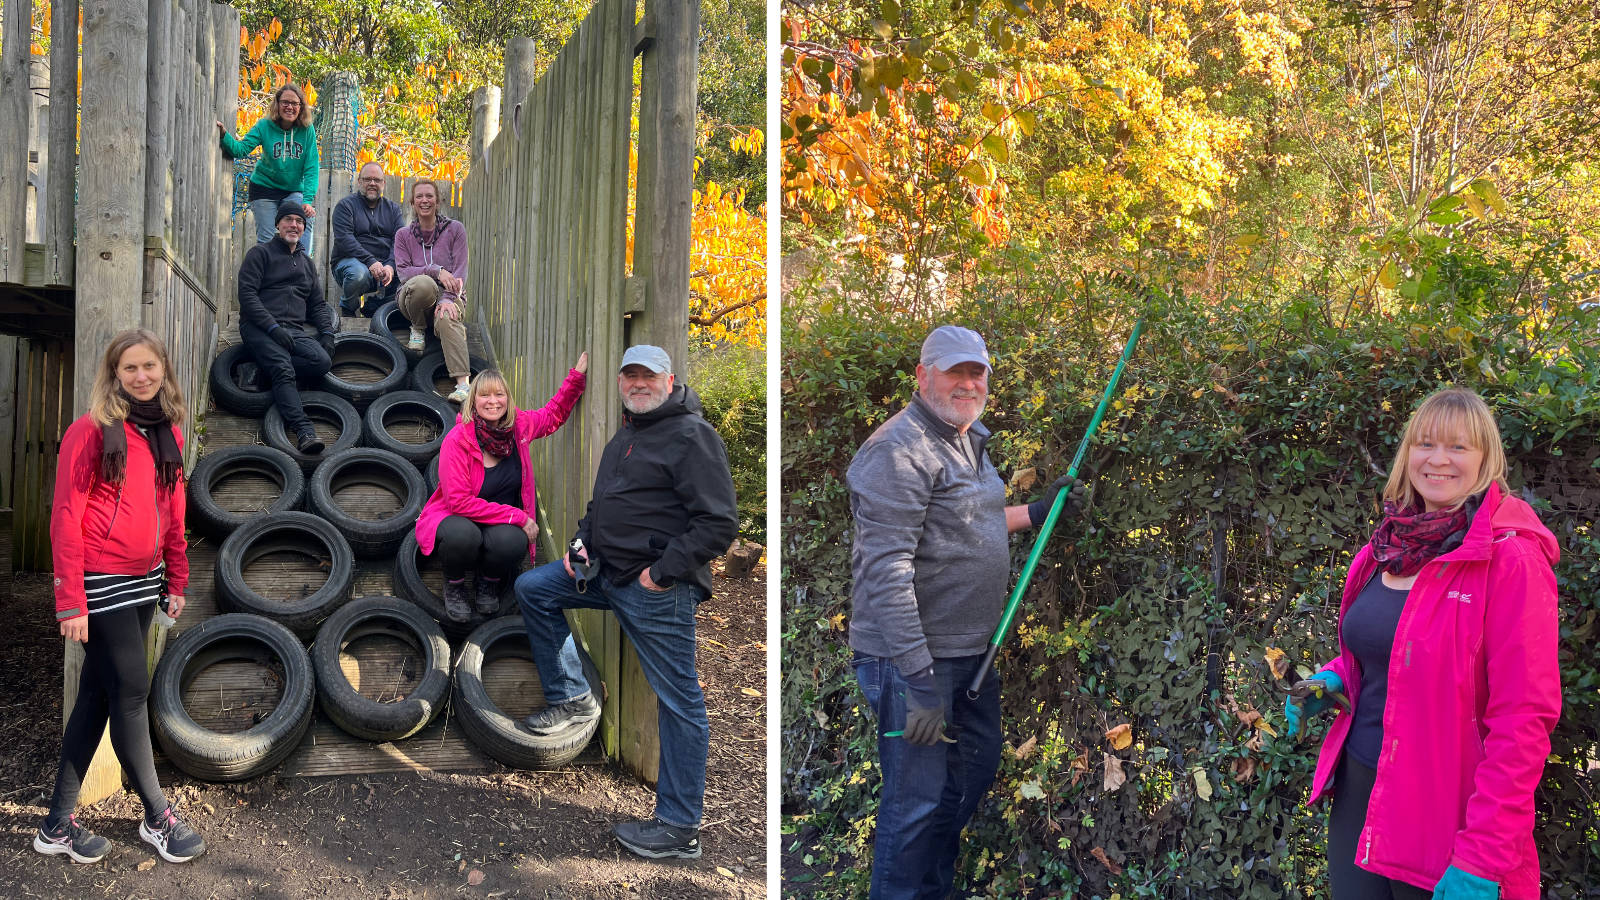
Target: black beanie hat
290,208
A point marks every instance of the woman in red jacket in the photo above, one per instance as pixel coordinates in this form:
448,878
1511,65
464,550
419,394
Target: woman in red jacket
481,517
116,529
1447,656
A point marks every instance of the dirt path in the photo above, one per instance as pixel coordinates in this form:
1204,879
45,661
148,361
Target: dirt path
504,833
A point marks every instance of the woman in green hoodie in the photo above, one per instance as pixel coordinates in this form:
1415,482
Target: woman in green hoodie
287,169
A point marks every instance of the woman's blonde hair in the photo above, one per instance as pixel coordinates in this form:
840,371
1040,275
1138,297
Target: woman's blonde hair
107,402
482,382
273,110
1445,415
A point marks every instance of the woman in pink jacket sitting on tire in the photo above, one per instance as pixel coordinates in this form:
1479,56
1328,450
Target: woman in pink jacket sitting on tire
481,517
1447,661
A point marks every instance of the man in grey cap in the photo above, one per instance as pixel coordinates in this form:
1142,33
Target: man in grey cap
662,508
931,565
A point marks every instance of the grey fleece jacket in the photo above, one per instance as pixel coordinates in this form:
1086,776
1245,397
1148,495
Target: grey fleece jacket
930,559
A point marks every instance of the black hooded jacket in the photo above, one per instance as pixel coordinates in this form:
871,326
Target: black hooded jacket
663,496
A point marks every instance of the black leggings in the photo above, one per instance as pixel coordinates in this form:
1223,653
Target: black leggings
493,551
1352,787
114,685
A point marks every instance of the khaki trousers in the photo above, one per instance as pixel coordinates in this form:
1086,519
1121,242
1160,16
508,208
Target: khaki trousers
417,299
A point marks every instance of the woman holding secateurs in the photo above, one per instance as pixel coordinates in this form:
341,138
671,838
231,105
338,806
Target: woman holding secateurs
116,529
481,517
1447,659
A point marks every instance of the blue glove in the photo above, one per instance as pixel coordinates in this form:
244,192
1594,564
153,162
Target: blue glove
1306,699
1459,885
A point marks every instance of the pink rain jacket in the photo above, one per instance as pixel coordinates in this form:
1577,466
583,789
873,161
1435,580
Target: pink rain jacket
461,468
1473,695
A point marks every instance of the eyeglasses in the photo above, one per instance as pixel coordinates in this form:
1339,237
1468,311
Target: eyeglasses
378,180
289,104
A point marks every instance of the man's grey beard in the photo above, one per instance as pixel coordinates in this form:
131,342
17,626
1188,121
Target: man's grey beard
648,402
948,413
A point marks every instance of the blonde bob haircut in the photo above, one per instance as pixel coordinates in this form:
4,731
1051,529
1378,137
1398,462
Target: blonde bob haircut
107,402
1452,414
275,112
482,382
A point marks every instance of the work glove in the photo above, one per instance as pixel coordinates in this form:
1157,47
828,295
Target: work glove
1310,697
1459,885
326,340
1077,495
282,335
924,709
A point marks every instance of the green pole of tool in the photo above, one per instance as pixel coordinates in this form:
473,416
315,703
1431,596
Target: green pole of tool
1049,525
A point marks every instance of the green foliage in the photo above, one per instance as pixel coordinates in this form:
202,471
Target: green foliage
1232,483
732,96
732,383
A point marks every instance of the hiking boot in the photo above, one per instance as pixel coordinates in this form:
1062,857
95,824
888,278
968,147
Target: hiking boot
82,845
418,340
561,716
656,839
487,599
308,443
456,602
459,395
175,841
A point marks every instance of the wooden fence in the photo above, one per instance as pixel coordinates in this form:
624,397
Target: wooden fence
547,222
35,388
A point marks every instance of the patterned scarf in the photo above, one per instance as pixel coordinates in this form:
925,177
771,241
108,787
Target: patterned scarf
1407,539
149,415
427,239
495,441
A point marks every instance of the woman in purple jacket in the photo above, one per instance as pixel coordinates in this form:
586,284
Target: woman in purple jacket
1447,658
481,517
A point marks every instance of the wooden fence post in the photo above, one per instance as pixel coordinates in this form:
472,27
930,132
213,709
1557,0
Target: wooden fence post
485,124
157,118
519,79
60,256
14,39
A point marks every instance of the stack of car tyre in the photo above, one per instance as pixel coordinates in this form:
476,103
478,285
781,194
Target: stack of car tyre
381,417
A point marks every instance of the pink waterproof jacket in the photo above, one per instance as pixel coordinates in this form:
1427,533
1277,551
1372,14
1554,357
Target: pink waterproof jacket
461,468
1473,695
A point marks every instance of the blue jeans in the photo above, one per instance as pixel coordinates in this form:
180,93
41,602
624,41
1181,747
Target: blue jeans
928,793
355,279
660,624
286,369
266,212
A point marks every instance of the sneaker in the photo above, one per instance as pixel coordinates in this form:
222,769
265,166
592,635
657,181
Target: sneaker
308,443
487,600
459,395
561,716
656,839
418,340
456,601
175,841
72,839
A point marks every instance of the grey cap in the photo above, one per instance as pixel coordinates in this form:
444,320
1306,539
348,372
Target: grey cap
648,355
949,346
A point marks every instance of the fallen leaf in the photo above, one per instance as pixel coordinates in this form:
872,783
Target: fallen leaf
1202,784
723,871
1279,661
1100,854
1026,750
1244,769
1114,776
750,692
146,866
475,877
1121,737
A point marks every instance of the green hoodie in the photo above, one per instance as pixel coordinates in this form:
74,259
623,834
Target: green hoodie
288,158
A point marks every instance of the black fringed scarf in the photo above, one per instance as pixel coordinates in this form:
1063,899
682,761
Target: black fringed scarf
149,415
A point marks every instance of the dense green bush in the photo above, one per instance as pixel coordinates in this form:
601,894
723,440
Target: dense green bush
732,384
1232,483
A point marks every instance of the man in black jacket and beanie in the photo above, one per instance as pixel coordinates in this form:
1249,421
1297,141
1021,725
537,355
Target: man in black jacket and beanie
280,298
662,509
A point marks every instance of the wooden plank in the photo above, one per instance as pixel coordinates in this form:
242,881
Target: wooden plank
14,40
59,253
8,426
158,117
485,123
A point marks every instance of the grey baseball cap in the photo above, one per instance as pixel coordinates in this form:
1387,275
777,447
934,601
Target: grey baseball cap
651,357
951,345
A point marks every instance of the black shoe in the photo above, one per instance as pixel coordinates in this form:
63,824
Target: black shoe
77,842
561,716
175,841
487,599
308,443
456,604
656,839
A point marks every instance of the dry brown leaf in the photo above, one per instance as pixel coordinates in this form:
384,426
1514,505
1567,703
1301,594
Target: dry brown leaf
1114,776
475,877
1121,737
1100,854
1254,744
1025,479
1244,769
1279,661
1026,750
750,692
723,870
1080,767
1246,715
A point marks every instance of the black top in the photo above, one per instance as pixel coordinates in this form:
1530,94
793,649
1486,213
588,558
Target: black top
503,483
1369,628
278,286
